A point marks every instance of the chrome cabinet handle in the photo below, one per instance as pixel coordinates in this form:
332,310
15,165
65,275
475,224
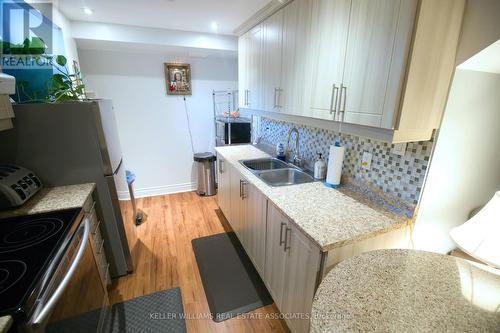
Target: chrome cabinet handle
221,170
47,308
101,247
344,89
240,188
248,94
275,94
96,228
279,98
287,246
333,101
243,185
281,233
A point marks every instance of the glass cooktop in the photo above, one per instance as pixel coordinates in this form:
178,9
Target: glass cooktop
28,244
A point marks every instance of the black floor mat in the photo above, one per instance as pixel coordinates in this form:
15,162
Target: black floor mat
158,312
231,283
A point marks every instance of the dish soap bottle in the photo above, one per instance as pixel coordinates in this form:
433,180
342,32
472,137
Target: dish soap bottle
280,152
320,167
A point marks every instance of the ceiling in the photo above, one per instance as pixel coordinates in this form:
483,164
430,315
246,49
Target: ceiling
189,15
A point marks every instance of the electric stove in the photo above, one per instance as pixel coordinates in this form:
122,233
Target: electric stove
30,247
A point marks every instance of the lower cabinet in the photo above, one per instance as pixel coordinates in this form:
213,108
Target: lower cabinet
292,264
285,258
223,183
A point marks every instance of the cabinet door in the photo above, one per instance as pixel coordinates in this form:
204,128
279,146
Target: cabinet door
254,68
271,61
255,226
327,49
236,201
243,42
274,273
302,265
296,32
224,187
372,34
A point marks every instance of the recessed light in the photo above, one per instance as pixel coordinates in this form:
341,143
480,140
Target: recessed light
88,11
214,26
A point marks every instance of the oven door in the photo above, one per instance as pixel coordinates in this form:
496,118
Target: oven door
76,300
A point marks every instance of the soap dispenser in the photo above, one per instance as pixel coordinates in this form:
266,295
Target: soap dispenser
320,167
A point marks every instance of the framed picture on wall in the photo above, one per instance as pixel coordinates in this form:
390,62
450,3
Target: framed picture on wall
178,78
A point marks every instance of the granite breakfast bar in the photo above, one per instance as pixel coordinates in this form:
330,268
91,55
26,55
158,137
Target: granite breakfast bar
407,291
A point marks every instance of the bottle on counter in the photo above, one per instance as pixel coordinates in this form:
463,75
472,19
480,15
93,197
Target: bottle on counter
320,167
280,152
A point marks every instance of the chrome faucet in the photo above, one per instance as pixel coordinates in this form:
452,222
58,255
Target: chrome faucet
296,160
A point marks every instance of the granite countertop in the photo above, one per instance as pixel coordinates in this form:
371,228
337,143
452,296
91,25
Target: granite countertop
53,198
5,323
327,216
407,291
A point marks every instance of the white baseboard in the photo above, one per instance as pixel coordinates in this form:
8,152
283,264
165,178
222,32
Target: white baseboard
158,190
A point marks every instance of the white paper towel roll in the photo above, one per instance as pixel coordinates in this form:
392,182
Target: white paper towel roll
335,161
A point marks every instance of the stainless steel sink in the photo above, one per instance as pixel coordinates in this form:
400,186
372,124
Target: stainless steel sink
275,172
284,177
268,163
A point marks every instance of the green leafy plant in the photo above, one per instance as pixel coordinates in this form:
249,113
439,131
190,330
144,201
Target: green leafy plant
61,87
64,86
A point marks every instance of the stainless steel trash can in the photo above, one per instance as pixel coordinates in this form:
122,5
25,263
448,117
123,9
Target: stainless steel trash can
205,163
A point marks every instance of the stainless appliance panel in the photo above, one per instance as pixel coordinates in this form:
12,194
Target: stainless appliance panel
60,143
112,182
109,140
75,299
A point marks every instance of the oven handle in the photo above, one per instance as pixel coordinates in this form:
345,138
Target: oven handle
42,314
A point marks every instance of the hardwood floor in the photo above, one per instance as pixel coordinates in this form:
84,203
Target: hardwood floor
163,258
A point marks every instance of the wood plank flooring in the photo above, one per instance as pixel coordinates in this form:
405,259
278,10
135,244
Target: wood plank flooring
163,258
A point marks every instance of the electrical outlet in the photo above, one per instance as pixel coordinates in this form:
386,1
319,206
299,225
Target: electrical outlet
366,161
399,149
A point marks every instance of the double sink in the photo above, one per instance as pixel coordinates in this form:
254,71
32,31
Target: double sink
275,172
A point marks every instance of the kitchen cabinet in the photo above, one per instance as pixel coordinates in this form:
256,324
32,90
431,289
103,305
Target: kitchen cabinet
243,49
247,216
371,42
296,31
351,67
327,48
386,64
271,61
292,265
250,68
237,209
223,186
255,225
274,276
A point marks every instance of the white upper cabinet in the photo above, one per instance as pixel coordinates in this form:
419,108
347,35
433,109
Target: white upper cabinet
296,33
327,49
254,68
272,29
373,27
381,63
243,46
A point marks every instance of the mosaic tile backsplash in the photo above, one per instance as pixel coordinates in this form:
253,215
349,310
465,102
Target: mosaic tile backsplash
400,177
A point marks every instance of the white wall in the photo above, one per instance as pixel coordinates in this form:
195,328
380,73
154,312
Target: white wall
153,126
465,169
69,46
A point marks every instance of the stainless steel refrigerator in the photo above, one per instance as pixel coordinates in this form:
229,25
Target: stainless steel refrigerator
71,143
